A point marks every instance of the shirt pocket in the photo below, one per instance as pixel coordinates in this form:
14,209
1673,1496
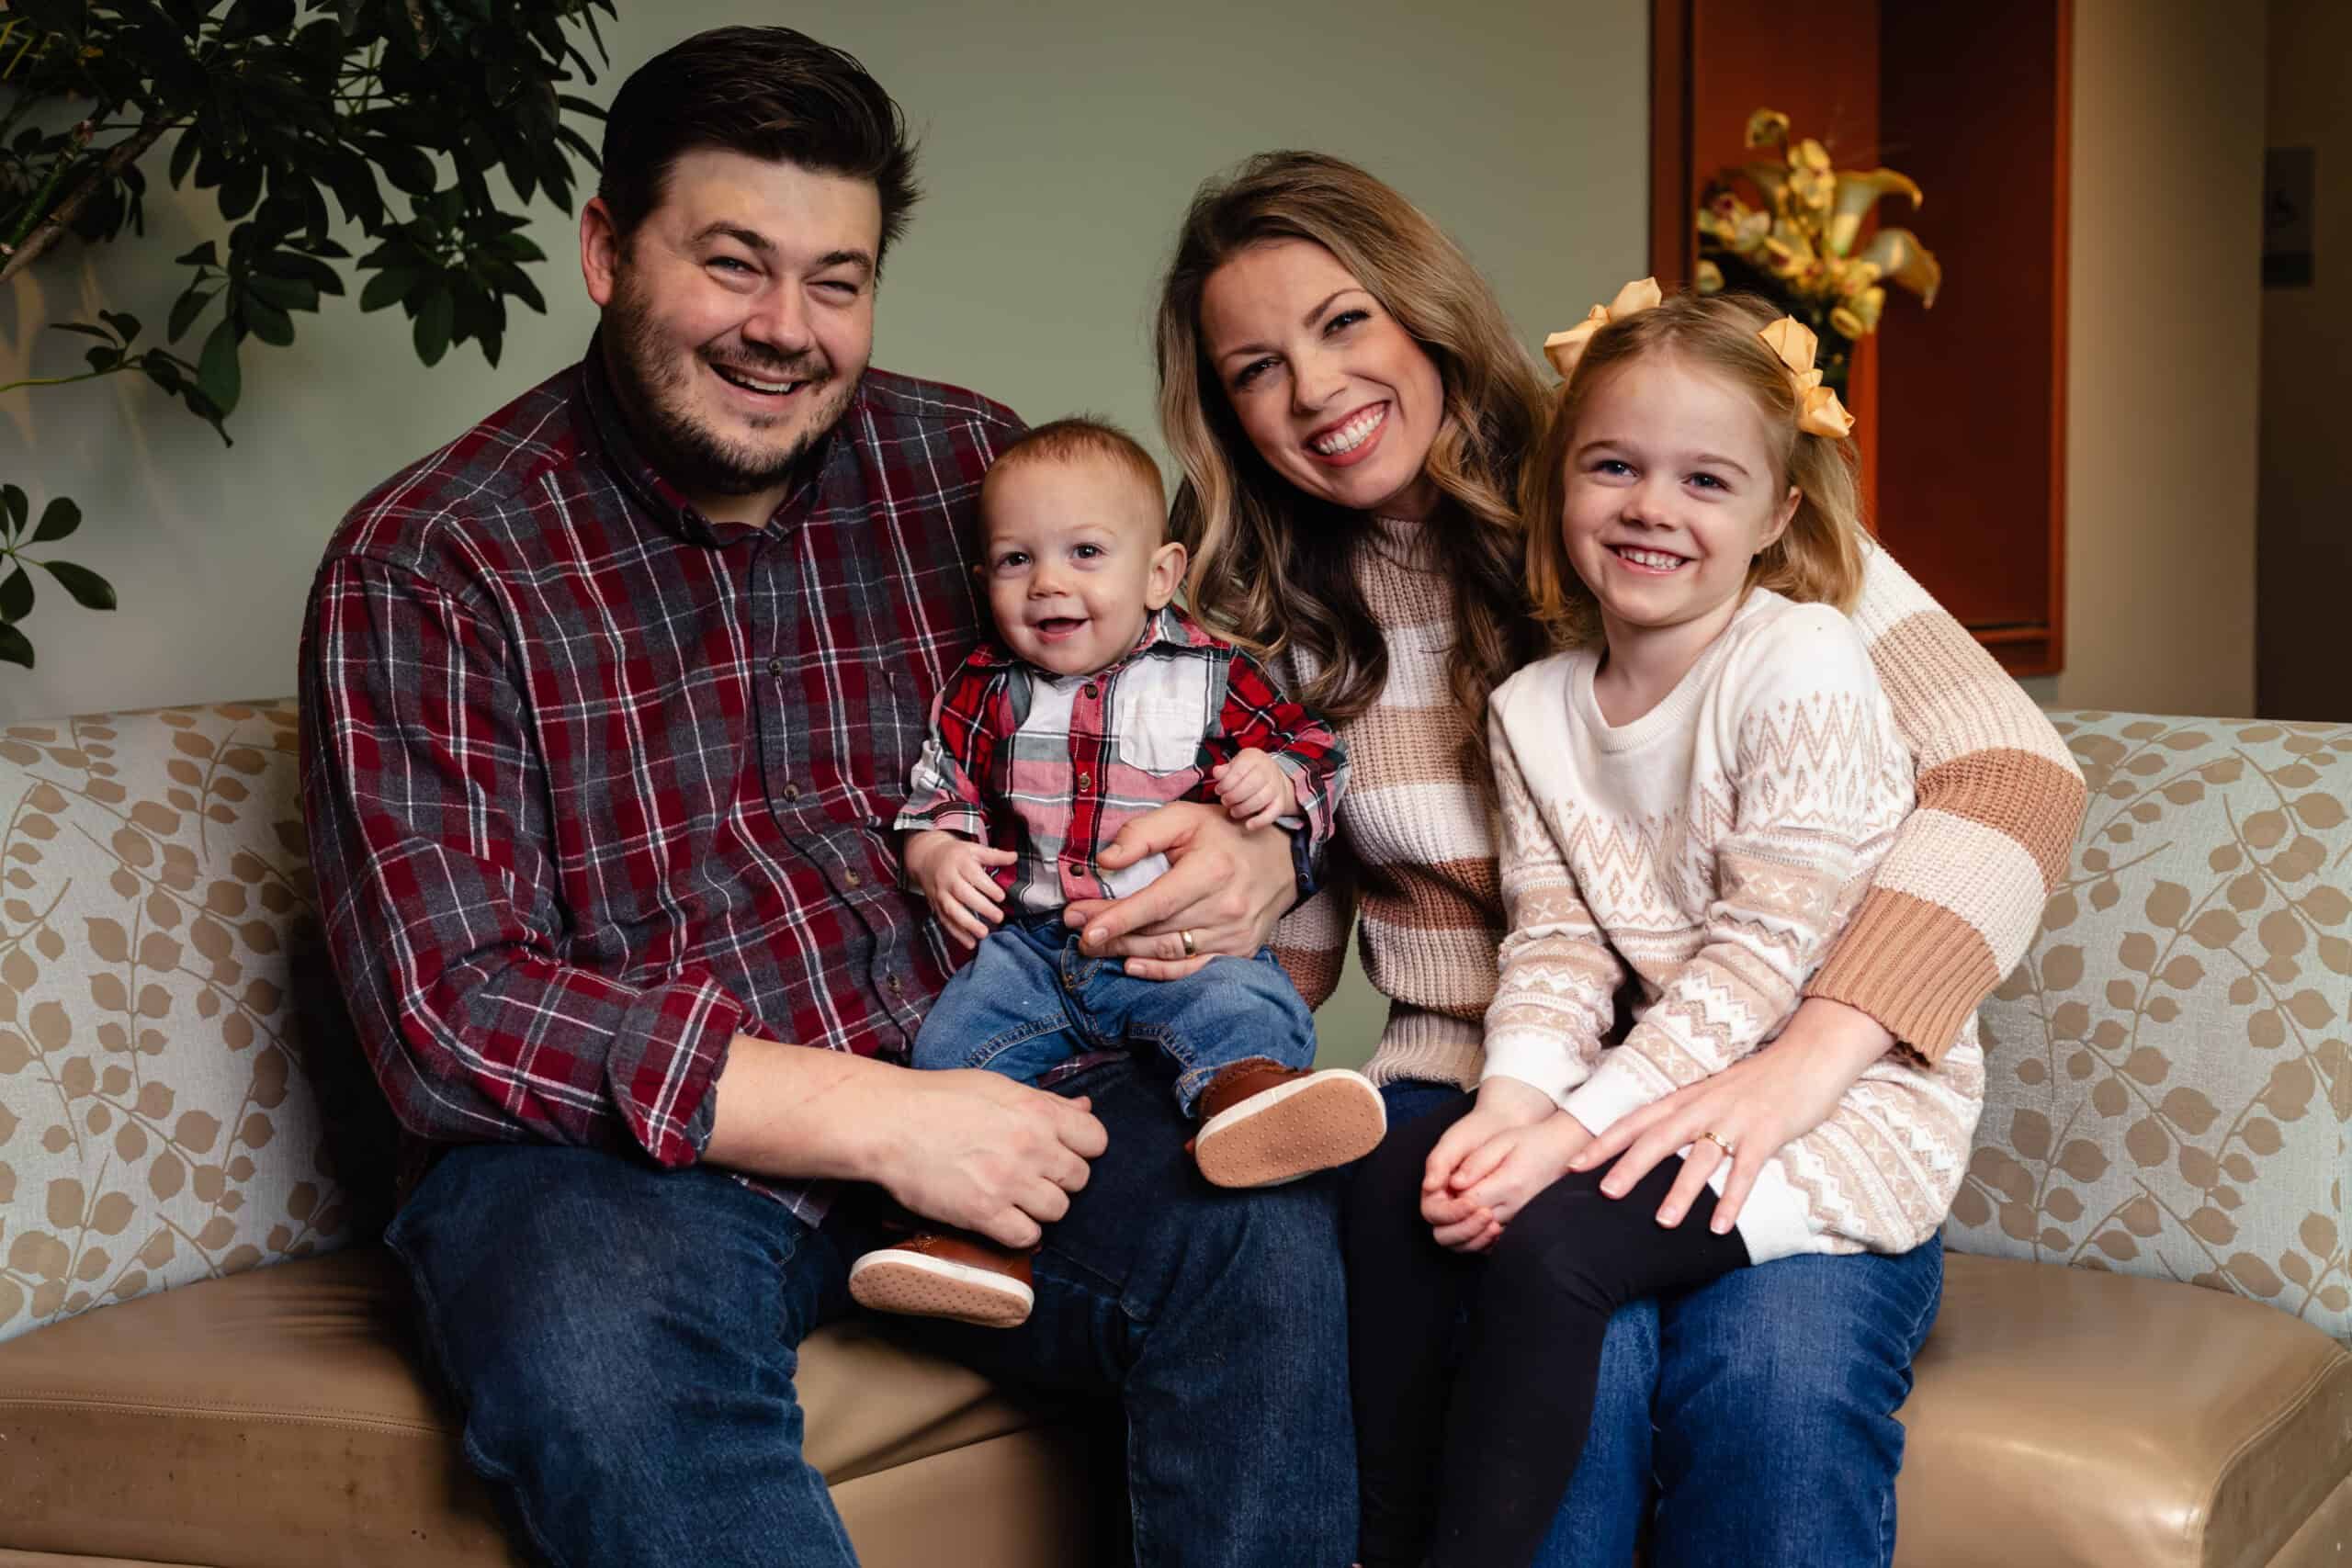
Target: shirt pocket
1158,732
893,721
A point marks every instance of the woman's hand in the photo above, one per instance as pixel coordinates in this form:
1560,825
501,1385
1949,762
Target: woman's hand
1756,1105
1224,886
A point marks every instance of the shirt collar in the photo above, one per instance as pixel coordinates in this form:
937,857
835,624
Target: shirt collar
607,429
1166,630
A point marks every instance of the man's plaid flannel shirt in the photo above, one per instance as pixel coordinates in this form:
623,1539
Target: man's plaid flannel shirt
593,784
1052,766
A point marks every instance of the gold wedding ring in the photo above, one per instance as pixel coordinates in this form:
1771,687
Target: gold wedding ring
1717,1140
1185,936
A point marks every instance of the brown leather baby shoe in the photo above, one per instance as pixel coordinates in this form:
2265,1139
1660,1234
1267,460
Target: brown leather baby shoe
946,1274
1262,1124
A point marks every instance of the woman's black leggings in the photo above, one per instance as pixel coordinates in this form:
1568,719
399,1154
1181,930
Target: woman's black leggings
1474,1373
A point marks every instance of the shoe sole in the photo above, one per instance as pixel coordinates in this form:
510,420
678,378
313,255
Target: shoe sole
1315,1124
913,1284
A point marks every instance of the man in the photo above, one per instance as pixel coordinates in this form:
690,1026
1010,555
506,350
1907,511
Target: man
609,706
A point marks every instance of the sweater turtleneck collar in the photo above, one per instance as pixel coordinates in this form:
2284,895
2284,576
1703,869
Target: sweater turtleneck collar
1403,541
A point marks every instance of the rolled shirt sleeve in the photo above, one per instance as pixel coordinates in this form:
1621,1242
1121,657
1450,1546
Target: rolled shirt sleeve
427,813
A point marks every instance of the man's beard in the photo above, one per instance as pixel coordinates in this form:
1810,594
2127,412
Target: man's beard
654,387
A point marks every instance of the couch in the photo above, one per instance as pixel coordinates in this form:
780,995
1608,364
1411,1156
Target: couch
2140,1357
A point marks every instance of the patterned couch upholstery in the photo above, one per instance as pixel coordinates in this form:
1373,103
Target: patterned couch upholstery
2139,1360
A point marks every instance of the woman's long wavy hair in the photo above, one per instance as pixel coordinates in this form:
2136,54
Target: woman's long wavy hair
1818,559
1271,565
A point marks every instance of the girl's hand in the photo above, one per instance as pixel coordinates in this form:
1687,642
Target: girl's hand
1503,1103
954,875
1757,1105
1254,788
1502,1177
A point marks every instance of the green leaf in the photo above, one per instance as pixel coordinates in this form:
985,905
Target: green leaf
407,168
204,254
386,288
185,310
252,18
240,188
126,326
434,322
512,279
89,590
322,277
102,360
17,596
83,329
183,153
216,371
13,503
268,322
60,518
286,293
16,648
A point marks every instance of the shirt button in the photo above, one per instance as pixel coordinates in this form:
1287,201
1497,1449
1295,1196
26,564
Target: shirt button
792,792
1086,780
1090,690
855,880
893,983
775,667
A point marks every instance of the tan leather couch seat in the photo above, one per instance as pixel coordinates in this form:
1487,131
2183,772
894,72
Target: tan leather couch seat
2068,1417
277,1418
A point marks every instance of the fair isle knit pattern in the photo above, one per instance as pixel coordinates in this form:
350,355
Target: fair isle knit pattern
1713,848
1954,903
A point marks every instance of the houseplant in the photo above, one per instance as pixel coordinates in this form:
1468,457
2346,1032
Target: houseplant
409,130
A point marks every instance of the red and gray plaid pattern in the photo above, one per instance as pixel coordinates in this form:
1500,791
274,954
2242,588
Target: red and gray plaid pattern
1053,766
594,784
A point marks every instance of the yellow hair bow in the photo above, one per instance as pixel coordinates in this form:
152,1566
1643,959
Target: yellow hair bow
1818,411
1564,349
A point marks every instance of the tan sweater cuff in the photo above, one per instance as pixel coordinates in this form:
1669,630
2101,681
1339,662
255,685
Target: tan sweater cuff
1917,967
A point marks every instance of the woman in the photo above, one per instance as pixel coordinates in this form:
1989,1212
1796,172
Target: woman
1352,413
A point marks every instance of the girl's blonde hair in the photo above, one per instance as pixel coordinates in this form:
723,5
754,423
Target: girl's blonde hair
1271,566
1818,559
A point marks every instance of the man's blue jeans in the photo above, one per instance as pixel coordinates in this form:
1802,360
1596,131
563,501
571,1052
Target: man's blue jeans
1029,1002
622,1343
1751,1421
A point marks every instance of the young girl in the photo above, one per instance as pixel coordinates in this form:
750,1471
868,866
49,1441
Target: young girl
1694,795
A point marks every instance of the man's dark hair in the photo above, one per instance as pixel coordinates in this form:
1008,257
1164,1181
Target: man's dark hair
767,92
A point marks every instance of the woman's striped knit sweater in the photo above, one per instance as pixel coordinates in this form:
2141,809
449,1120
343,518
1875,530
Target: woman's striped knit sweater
1955,902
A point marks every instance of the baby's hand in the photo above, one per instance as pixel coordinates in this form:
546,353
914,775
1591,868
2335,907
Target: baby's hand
954,875
1254,788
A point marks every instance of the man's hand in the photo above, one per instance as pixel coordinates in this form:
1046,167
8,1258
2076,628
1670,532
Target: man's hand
967,1149
1757,1105
1225,884
976,1150
952,872
1253,787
